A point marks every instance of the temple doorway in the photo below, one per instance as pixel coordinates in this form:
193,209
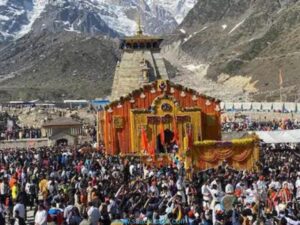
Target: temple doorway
61,142
168,145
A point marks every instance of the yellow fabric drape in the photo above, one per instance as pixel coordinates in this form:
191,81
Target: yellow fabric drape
239,156
185,143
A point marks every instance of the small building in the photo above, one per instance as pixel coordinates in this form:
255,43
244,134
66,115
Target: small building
62,130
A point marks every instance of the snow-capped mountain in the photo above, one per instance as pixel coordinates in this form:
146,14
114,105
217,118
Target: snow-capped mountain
17,16
113,17
179,8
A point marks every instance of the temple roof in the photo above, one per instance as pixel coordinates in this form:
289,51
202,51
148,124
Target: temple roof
150,85
140,37
62,121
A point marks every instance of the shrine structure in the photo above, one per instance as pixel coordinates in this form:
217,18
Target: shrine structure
150,116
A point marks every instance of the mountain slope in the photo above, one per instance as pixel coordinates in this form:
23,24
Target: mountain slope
57,66
244,41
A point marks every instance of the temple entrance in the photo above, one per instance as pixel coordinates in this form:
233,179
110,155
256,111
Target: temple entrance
168,145
164,111
62,141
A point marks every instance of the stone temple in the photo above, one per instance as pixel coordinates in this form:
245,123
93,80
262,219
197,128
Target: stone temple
141,63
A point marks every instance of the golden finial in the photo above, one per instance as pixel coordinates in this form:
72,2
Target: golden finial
139,30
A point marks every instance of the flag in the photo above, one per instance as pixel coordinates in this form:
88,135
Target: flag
144,140
151,147
175,138
280,78
162,134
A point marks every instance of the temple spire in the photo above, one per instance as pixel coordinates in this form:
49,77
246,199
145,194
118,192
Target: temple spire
139,28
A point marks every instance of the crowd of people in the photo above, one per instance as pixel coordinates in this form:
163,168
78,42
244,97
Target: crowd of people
246,124
9,130
63,185
21,133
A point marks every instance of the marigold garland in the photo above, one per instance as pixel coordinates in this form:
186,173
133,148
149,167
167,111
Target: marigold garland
233,142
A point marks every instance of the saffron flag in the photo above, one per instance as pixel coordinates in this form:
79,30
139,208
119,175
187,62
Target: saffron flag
280,78
162,134
151,149
144,140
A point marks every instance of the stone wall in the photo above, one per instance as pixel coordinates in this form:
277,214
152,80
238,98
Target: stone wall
24,143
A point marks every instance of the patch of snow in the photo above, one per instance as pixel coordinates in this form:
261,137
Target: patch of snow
196,32
4,18
236,26
119,21
4,34
204,28
38,8
186,39
183,31
192,67
279,11
3,2
224,26
71,29
178,8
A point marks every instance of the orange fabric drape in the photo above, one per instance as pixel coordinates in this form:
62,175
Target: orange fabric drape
223,154
151,149
144,140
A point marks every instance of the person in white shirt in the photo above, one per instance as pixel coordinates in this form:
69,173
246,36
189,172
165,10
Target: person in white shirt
131,169
67,211
180,188
216,196
20,208
93,214
297,185
206,195
40,216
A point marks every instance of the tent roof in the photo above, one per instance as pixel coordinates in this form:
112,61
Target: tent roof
280,136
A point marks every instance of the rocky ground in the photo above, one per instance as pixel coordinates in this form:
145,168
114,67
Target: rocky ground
36,117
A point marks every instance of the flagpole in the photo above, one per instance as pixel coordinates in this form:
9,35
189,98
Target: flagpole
280,84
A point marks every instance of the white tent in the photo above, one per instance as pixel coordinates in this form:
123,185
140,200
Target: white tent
278,106
290,106
229,105
280,136
247,105
298,107
267,106
256,105
237,106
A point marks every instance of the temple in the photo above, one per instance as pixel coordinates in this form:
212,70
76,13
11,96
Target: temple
152,118
141,63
